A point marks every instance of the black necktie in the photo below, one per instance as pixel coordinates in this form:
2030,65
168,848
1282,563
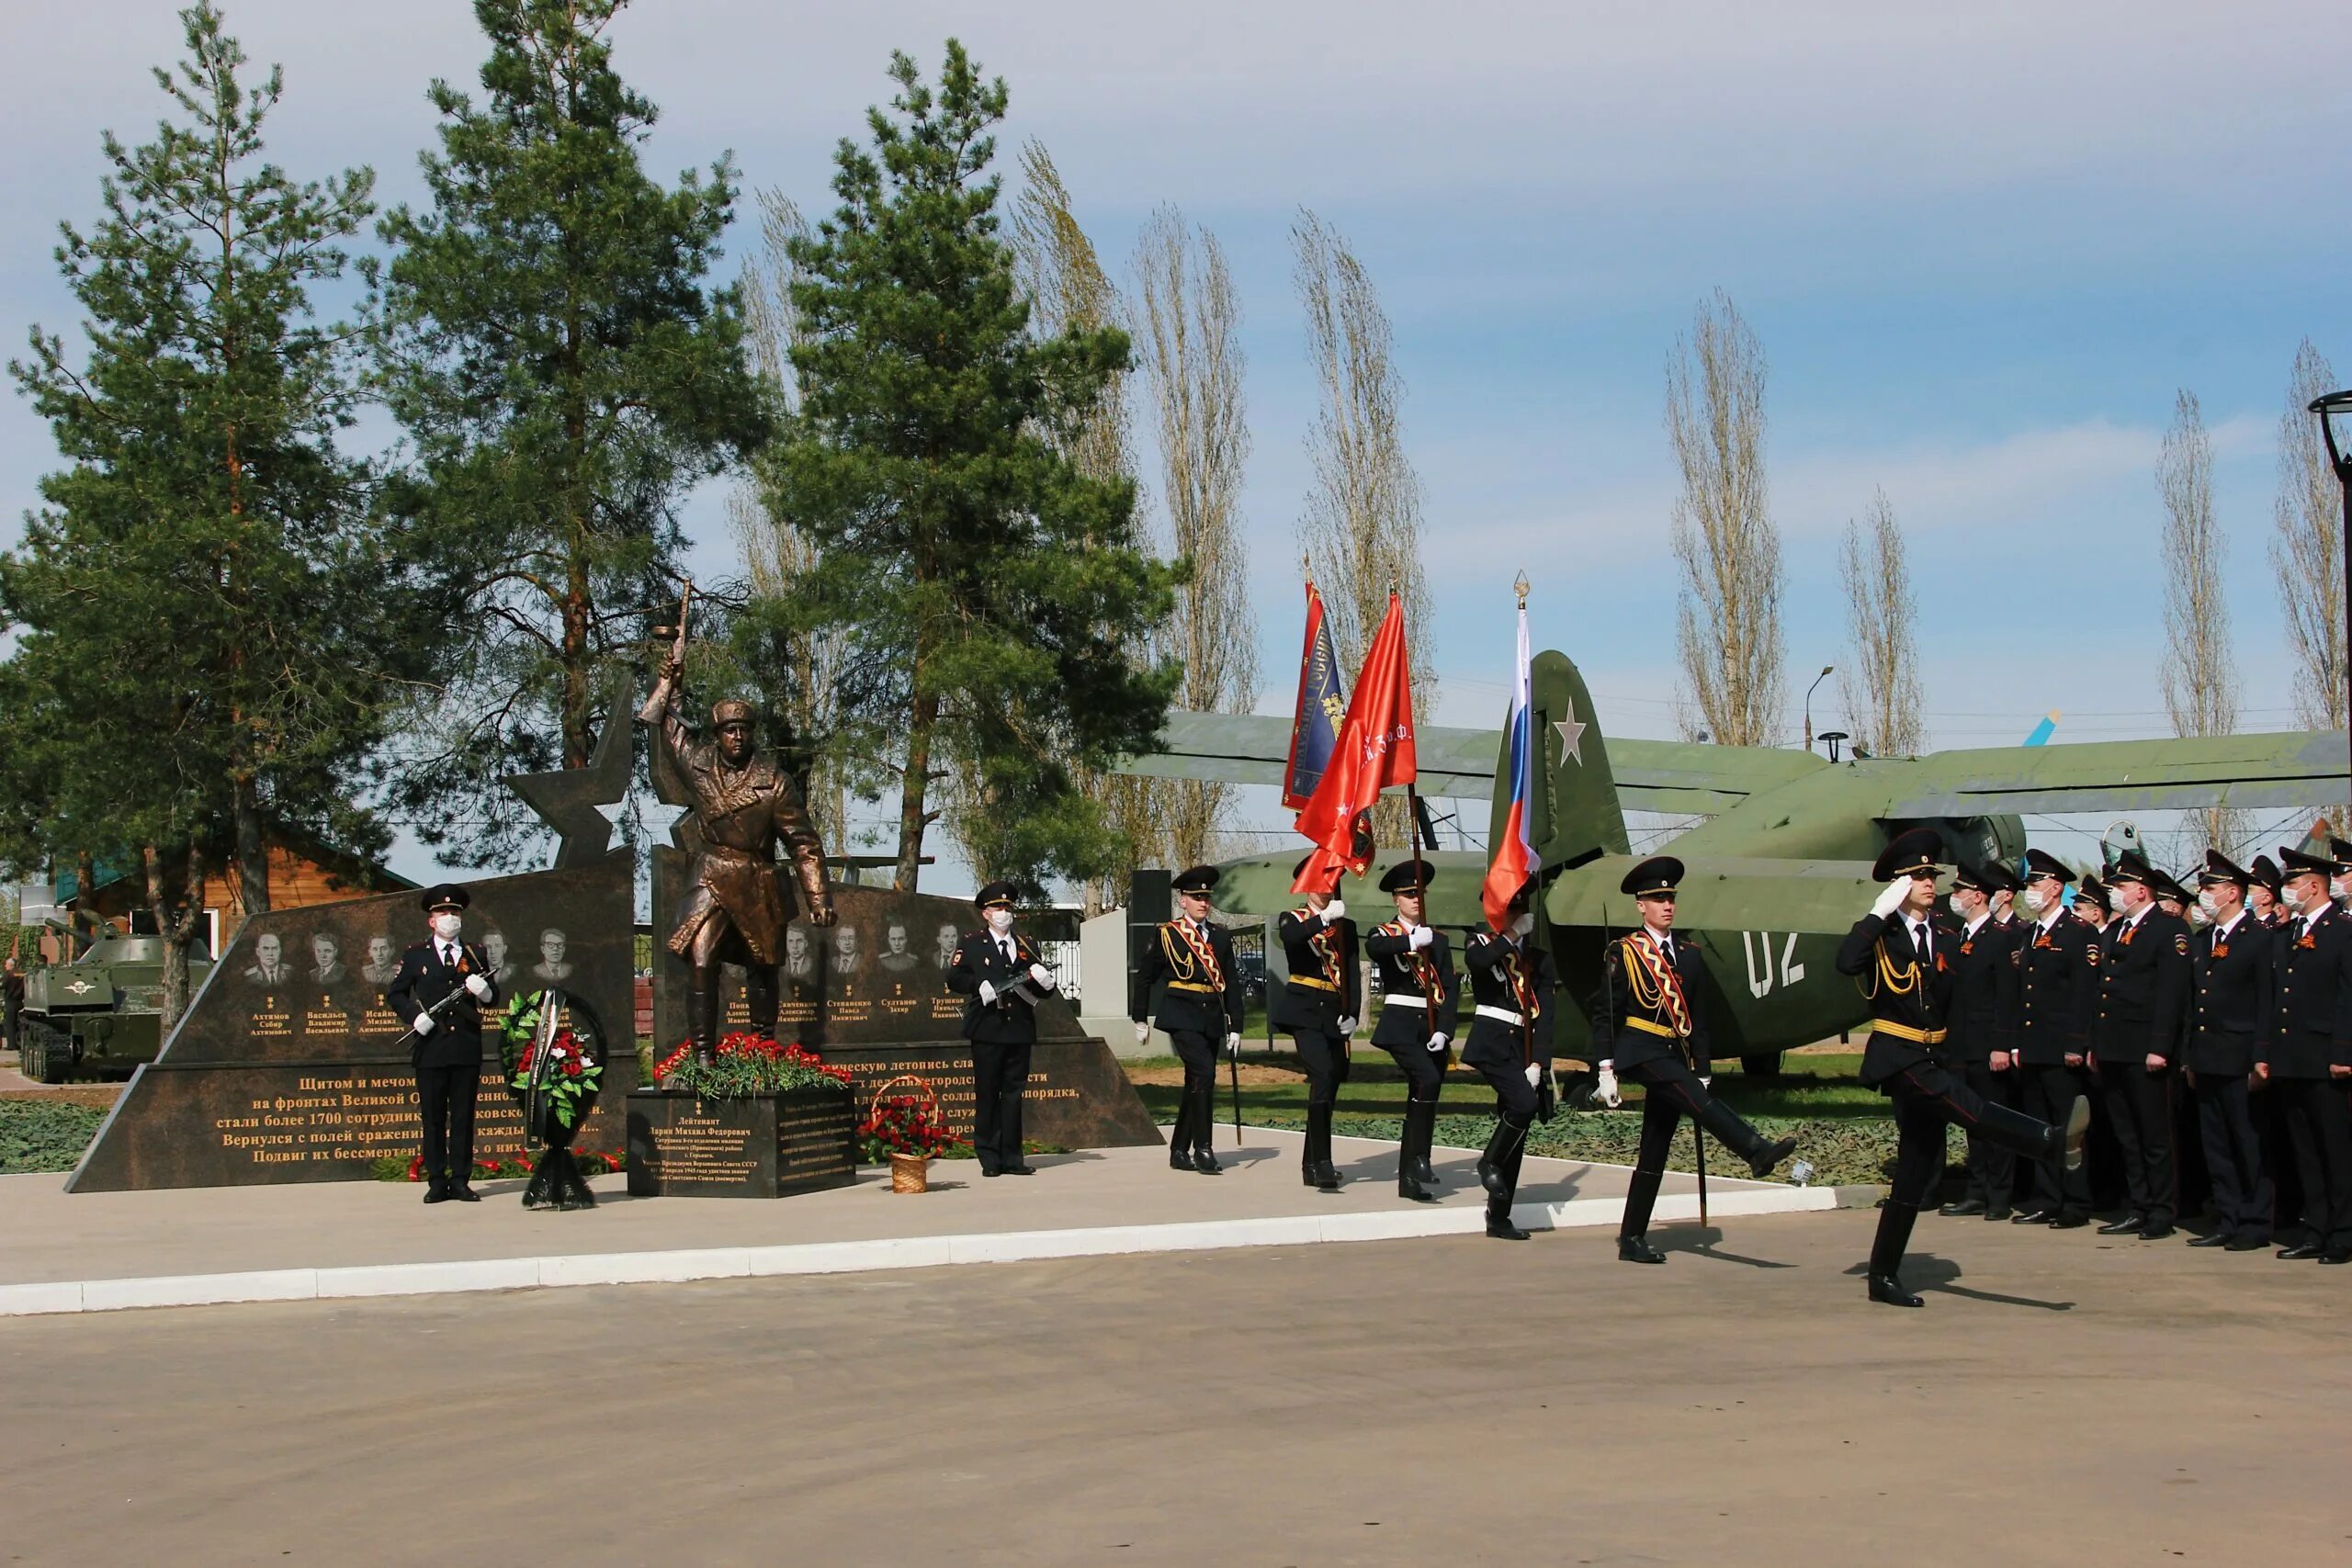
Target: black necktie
1919,940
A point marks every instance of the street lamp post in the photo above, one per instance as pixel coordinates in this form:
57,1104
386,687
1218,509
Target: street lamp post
2334,411
1824,675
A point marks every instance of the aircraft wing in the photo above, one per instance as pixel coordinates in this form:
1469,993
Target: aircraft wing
1652,776
1821,897
2301,768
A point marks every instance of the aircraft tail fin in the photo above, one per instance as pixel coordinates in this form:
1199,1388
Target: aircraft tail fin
1574,797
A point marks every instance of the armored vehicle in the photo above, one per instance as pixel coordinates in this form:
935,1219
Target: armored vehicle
102,1012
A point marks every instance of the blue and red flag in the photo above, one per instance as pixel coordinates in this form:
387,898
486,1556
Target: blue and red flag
1322,705
1374,751
1515,858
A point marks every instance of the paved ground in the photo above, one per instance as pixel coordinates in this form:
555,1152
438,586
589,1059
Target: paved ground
49,1234
2064,1401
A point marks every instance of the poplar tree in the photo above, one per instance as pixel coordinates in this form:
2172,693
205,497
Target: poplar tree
988,590
566,374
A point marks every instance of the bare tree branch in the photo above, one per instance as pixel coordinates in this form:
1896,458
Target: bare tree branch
1882,706
2200,679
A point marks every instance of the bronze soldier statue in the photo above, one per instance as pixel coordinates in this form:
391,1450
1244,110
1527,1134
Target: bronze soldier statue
736,907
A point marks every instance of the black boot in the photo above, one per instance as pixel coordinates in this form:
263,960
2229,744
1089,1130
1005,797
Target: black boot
1409,1187
1641,1195
1206,1162
1420,1124
1637,1249
1731,1131
1894,1239
2021,1134
1499,1225
1495,1164
1319,1170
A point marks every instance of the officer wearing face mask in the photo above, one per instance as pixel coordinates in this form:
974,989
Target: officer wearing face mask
2144,983
1649,1022
2232,958
446,1043
1978,1039
2056,1002
2306,1054
999,974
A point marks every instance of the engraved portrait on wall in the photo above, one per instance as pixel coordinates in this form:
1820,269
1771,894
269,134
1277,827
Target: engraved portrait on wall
552,967
383,961
327,959
269,967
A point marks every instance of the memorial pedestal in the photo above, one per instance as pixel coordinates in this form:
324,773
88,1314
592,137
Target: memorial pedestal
766,1145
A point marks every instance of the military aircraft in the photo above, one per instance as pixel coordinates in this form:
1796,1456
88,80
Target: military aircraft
1781,868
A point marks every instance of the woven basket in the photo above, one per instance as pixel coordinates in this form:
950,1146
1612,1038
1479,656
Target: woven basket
909,1173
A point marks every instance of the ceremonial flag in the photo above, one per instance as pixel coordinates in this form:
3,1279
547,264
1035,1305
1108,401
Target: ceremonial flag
1315,721
1374,751
1515,858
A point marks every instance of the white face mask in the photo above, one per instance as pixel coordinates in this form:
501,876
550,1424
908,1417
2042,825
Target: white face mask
2036,900
446,927
999,920
2293,898
2339,887
1954,905
2209,906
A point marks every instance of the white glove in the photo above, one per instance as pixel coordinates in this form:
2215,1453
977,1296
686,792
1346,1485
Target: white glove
1534,1074
1043,976
423,1024
1233,1043
1605,1092
1422,936
1707,1080
479,986
1347,1026
1143,1035
1437,1042
988,994
1891,896
1334,912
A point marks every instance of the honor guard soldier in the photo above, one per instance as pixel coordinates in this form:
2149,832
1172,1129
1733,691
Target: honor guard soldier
1512,1030
1420,1000
2306,1057
1893,952
2056,993
1978,1040
2231,957
999,974
1649,1024
1317,1007
441,987
2145,979
1188,967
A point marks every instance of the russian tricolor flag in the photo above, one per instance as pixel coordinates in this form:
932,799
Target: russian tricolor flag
1515,858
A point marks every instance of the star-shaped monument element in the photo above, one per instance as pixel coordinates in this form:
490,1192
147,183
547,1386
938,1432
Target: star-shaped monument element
567,799
1571,738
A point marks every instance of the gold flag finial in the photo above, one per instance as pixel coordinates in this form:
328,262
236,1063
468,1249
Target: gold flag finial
1521,587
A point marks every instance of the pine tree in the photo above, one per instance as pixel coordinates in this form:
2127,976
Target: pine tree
208,618
565,375
988,592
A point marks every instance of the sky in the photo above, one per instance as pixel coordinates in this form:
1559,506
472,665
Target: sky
1984,247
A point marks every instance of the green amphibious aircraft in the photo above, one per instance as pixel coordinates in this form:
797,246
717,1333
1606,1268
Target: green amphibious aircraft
1781,868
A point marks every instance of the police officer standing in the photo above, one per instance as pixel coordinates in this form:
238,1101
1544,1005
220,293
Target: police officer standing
1649,1024
1895,953
1316,1007
446,1043
2057,1001
1511,1028
2262,893
2232,962
2145,981
1420,1002
1187,971
998,974
1977,1029
2306,1057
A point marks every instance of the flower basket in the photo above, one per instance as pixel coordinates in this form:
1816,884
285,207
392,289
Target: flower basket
910,1129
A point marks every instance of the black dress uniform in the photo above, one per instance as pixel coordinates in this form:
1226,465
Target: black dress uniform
1420,1004
2311,1035
1317,1007
1649,1024
2056,1001
449,1057
1186,982
1979,1027
2144,979
1512,1025
993,974
2232,960
1909,980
